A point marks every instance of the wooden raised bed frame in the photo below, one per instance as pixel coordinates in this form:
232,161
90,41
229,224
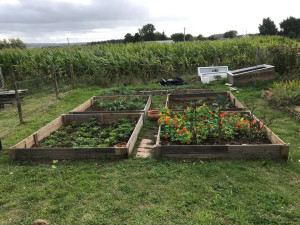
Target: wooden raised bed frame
247,75
24,150
208,95
277,151
81,109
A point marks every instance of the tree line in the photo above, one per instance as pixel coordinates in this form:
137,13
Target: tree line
289,27
12,43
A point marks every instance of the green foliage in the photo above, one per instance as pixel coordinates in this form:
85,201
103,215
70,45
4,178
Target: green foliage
147,32
267,27
108,63
12,43
203,125
285,93
122,103
230,34
177,37
91,134
290,27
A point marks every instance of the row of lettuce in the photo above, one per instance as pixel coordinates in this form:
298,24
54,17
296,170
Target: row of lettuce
104,64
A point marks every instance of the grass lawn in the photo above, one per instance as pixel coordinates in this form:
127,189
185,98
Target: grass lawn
146,191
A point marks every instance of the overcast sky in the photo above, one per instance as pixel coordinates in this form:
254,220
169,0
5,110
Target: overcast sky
91,20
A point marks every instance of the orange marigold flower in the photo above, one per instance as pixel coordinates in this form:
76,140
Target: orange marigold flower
175,115
211,113
187,108
204,104
168,111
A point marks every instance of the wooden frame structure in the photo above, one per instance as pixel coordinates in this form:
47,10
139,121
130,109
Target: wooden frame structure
277,151
25,150
81,109
247,75
208,95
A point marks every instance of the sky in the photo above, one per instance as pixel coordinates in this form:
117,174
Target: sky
41,21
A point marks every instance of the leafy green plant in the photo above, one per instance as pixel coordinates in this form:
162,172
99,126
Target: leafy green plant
91,134
121,103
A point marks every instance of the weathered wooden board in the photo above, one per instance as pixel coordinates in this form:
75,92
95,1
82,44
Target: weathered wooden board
247,75
82,109
26,150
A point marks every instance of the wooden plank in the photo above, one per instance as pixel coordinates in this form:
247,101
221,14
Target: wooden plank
273,137
194,149
83,106
62,153
236,102
48,129
202,95
148,104
195,156
284,152
167,101
131,142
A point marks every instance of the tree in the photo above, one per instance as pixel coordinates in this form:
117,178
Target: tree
128,38
160,36
147,32
189,37
177,37
200,37
12,43
267,27
230,34
137,37
212,38
290,27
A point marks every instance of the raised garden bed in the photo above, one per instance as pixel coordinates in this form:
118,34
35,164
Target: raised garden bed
116,104
247,75
212,99
31,147
216,136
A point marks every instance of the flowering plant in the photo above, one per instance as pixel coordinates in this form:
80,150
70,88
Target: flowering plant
201,125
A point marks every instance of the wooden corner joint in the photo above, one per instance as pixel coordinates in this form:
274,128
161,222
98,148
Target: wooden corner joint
284,152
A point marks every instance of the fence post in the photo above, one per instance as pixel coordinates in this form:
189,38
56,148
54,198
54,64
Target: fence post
72,75
18,100
54,80
2,79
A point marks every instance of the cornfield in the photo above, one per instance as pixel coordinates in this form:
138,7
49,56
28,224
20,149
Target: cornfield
103,64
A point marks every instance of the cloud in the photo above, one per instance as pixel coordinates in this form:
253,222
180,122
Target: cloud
37,17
